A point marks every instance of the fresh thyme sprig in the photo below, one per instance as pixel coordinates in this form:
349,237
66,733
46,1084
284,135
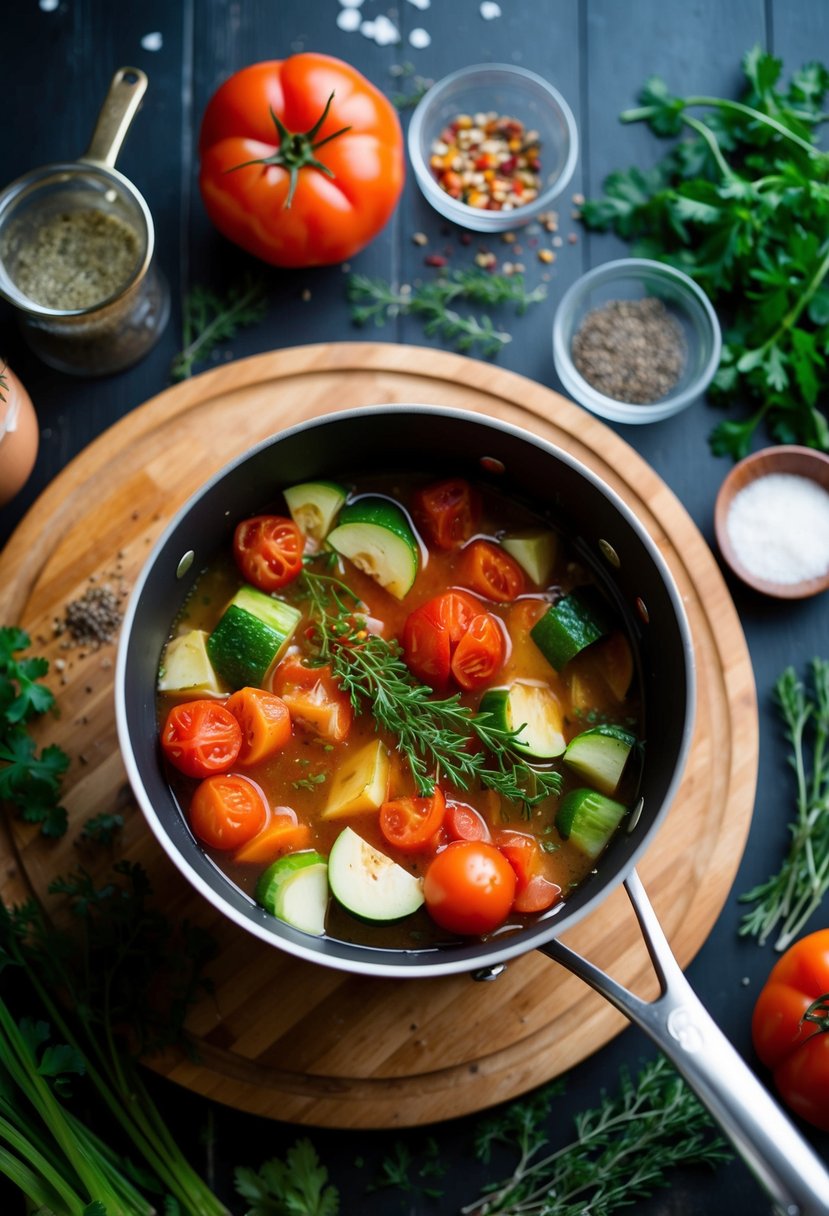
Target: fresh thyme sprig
209,318
375,300
789,898
623,1149
433,734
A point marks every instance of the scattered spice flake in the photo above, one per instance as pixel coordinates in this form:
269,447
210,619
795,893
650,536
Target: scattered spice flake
434,259
420,238
546,255
92,620
306,295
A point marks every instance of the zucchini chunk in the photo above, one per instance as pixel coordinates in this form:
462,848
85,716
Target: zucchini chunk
536,710
295,889
377,537
368,883
536,552
361,782
313,506
251,635
600,755
568,626
186,667
589,819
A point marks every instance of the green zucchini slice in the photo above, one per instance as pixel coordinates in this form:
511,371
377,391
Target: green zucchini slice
600,755
535,551
589,819
368,883
250,637
314,506
295,889
376,536
568,626
536,710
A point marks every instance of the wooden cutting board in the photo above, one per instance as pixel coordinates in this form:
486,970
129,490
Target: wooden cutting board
293,1040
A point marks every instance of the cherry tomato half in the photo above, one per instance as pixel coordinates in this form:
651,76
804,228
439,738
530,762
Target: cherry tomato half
464,822
410,824
200,738
268,550
265,722
433,630
487,569
469,887
227,810
480,652
314,698
446,513
535,891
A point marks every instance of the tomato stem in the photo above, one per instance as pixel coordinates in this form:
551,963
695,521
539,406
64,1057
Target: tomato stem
296,150
818,1013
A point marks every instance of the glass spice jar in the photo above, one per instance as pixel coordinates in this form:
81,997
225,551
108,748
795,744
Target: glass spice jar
76,252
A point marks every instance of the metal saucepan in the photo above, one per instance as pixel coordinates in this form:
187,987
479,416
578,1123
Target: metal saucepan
608,535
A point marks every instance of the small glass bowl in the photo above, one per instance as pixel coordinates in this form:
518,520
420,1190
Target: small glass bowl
510,91
634,279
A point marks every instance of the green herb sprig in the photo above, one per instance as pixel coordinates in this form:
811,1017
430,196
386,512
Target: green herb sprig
208,319
297,1186
743,207
787,900
374,300
623,1150
29,781
435,735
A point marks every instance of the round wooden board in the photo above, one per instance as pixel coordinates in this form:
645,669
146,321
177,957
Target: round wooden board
296,1041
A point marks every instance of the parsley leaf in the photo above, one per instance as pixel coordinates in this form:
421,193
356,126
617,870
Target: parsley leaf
741,204
297,1186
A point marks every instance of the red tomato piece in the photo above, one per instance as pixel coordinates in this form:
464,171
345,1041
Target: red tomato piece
433,631
302,160
489,570
410,824
534,891
469,887
314,698
446,513
797,1050
227,810
268,550
200,738
479,655
464,822
265,721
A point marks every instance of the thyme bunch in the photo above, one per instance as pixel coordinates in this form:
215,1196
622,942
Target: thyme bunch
433,734
787,899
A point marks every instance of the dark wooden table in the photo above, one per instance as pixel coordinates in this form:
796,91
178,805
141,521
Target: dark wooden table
57,63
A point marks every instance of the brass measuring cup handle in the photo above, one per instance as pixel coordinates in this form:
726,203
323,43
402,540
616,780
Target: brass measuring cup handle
120,106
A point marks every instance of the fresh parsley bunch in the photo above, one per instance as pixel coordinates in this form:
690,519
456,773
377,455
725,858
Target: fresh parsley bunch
742,206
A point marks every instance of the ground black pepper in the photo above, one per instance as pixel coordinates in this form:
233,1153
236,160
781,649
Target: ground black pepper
630,350
93,619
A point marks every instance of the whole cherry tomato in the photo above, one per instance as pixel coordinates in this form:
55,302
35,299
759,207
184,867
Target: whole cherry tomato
268,550
446,513
301,160
227,810
794,1048
489,570
410,824
469,887
200,738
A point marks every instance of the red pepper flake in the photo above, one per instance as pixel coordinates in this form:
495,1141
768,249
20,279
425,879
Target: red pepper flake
434,259
488,161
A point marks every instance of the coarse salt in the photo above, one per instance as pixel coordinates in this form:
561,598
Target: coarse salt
778,527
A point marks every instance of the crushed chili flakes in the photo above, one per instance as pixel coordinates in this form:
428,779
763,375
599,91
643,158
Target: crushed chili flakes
489,161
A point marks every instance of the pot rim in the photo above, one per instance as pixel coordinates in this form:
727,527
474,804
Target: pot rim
480,955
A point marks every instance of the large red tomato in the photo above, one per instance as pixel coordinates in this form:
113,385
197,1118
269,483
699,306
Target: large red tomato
301,160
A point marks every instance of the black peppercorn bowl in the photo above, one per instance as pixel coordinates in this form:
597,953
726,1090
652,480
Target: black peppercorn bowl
635,279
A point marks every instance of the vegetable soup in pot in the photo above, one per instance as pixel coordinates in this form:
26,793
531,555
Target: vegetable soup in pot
401,712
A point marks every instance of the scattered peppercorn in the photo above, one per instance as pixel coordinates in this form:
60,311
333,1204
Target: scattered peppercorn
91,620
488,160
630,350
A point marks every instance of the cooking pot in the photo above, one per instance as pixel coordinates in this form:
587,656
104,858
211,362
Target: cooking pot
625,559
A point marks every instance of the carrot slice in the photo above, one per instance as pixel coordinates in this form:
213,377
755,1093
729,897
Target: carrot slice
282,835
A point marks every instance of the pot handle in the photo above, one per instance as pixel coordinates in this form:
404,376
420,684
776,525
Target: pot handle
121,103
782,1161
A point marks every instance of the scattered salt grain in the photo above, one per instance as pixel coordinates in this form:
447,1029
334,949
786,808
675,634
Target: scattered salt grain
420,39
382,30
351,3
152,42
48,6
348,19
490,10
421,4
778,527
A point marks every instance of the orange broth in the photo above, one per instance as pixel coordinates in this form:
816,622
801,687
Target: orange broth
299,776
